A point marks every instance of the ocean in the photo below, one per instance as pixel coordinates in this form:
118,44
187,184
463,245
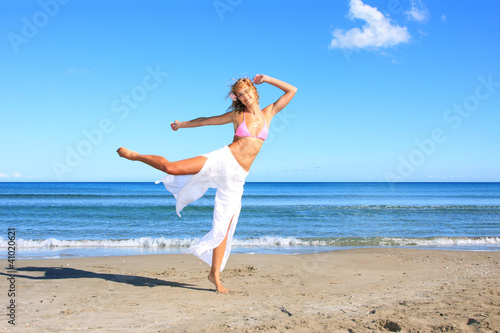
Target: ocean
62,220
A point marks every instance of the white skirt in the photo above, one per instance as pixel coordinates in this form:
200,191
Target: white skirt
223,172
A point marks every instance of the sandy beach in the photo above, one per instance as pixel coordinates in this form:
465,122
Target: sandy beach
360,290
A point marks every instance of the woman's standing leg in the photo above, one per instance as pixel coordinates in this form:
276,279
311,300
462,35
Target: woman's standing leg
188,166
217,256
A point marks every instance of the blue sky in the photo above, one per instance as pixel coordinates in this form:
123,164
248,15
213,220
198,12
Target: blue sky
387,90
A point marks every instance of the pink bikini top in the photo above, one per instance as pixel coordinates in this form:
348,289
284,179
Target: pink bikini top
243,131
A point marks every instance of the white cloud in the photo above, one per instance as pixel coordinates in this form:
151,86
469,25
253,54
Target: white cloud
71,71
443,18
15,174
418,12
423,33
376,33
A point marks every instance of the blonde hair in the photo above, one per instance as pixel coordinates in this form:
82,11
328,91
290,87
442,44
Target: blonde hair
237,106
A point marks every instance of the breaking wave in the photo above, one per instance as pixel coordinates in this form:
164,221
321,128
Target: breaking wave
265,241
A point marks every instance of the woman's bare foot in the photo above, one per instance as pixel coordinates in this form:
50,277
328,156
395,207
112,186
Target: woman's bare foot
125,153
218,285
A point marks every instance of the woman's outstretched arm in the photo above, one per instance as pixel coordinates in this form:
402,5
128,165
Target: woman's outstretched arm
203,121
287,88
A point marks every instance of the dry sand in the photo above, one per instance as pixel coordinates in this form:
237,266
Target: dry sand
361,290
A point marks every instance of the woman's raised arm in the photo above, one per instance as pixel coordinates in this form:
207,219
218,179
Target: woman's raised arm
203,121
286,87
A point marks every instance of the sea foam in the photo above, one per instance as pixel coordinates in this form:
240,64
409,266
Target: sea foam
265,241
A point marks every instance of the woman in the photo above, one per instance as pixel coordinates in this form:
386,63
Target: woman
224,169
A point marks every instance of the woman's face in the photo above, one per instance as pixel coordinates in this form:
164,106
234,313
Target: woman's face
246,95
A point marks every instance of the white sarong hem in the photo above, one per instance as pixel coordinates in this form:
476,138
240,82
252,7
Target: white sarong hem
220,171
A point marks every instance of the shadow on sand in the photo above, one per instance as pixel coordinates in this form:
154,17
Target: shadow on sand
55,273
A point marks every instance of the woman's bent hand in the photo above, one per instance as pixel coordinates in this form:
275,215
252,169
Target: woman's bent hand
175,125
259,78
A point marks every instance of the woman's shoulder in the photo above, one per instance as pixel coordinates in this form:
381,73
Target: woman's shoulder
233,115
268,111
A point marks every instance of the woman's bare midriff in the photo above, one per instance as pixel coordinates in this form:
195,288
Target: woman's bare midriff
245,150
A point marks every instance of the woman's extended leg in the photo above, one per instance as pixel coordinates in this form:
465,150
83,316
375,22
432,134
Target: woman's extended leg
217,256
189,166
